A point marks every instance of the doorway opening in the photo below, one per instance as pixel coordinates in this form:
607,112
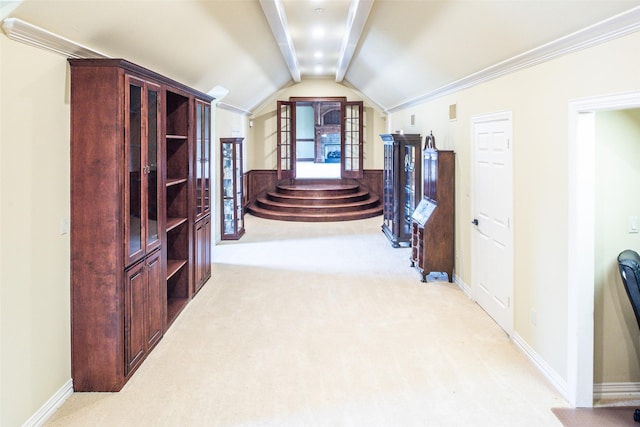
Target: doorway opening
581,240
318,131
320,138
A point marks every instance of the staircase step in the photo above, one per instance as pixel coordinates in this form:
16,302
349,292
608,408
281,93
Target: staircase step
317,201
267,203
317,198
311,217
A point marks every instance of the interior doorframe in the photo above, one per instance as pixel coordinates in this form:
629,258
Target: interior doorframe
581,239
475,120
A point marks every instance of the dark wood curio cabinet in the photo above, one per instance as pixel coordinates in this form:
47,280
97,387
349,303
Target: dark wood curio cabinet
433,220
132,215
401,185
232,188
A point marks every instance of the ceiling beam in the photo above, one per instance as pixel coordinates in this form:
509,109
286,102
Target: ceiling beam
277,18
358,15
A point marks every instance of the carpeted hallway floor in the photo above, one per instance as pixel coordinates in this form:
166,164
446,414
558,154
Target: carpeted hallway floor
311,324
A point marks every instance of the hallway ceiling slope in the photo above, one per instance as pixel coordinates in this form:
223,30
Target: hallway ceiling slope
405,51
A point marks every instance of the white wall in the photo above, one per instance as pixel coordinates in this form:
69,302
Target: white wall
538,98
34,255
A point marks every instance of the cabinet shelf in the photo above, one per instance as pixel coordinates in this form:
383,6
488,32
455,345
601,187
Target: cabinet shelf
175,181
177,137
174,222
174,307
174,265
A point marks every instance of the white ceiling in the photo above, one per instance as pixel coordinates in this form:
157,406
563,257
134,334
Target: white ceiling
404,50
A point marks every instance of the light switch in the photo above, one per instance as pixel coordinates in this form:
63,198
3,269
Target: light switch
633,224
64,226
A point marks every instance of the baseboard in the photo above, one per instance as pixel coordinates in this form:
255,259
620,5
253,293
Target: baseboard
550,374
44,413
610,391
465,288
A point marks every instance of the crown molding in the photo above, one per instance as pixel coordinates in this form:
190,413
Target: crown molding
609,29
32,35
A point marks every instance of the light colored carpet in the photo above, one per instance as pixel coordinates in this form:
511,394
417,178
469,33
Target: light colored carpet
325,324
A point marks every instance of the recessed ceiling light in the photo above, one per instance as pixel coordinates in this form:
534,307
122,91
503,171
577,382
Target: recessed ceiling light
318,69
318,54
319,9
318,32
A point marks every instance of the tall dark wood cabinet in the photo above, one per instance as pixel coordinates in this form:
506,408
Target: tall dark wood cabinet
231,188
432,226
401,185
132,215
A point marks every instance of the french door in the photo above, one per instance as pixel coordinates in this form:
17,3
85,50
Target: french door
351,139
286,139
351,148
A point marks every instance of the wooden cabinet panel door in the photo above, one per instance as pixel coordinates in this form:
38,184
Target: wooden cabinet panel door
143,309
155,295
202,238
134,309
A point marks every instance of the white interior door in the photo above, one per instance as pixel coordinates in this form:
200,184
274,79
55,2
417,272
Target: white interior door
492,217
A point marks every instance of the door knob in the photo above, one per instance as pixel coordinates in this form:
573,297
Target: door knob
475,221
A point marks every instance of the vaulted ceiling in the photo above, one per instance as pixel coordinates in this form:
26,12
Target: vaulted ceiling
394,52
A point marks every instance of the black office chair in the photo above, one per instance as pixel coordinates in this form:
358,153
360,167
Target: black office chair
629,266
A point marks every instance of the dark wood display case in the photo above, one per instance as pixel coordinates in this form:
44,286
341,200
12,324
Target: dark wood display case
401,186
231,188
432,228
132,215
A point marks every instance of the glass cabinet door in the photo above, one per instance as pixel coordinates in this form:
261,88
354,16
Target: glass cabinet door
198,164
206,160
152,168
410,202
202,161
142,126
238,186
232,191
133,179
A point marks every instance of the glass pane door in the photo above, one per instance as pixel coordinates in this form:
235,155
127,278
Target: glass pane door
206,159
151,169
409,159
238,186
352,131
198,165
286,139
133,126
